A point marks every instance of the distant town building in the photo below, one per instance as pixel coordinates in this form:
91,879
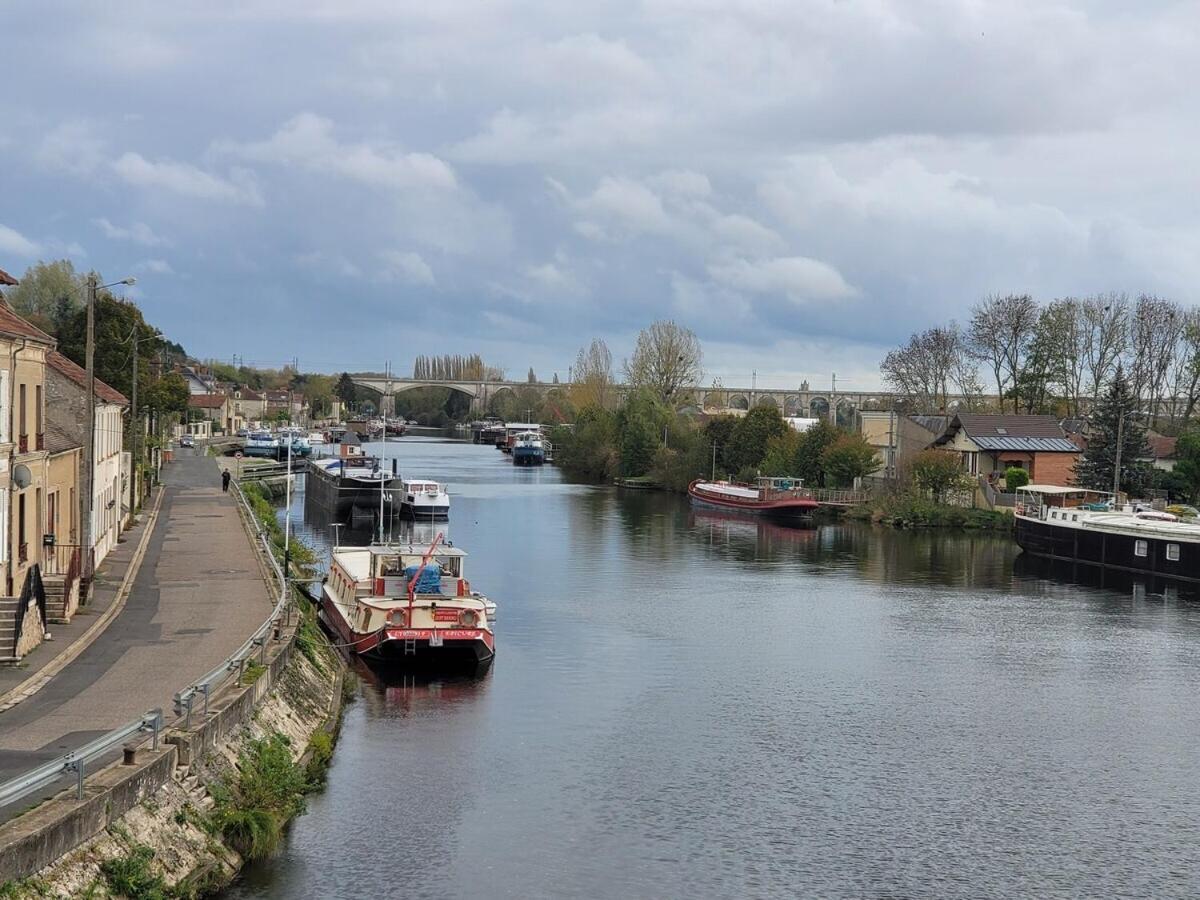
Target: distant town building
218,409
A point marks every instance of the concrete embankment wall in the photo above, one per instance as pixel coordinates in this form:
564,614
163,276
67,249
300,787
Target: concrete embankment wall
160,802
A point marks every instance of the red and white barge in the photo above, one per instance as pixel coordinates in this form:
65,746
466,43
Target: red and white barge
775,497
407,606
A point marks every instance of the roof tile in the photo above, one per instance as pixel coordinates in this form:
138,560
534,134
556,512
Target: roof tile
79,375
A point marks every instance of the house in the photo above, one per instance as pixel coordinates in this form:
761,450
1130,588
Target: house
199,381
218,409
1162,451
66,386
897,438
285,401
250,404
29,502
991,444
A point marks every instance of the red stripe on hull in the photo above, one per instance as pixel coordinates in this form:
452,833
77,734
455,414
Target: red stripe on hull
798,504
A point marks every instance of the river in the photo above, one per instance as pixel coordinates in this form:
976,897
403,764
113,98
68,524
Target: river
689,705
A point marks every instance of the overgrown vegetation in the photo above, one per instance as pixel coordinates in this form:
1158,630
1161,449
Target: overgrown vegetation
267,791
905,509
133,876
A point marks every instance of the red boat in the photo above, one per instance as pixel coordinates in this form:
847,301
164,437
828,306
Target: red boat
778,497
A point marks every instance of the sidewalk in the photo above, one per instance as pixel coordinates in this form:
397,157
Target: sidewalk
105,586
197,596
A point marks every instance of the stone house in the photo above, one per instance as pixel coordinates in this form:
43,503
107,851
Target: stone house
66,386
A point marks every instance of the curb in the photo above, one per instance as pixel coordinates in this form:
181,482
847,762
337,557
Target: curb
36,682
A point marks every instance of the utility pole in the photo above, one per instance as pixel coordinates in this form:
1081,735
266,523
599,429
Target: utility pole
1117,461
135,428
86,498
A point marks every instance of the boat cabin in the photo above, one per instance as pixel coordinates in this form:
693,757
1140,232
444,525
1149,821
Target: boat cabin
392,571
1058,501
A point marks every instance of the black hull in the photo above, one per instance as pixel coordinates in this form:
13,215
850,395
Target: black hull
1109,550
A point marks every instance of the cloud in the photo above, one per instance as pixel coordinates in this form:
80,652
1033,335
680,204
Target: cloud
155,266
800,279
307,141
187,180
72,147
406,266
12,241
137,232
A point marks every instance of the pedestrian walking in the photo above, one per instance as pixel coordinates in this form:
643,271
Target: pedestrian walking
225,476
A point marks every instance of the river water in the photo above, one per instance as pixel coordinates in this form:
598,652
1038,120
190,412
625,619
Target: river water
686,705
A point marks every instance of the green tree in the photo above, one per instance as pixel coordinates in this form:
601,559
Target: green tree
641,423
783,451
1115,422
810,455
346,390
48,293
1187,465
848,458
937,472
589,450
168,394
747,444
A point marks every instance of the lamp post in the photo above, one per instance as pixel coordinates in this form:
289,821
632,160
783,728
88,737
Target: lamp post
87,498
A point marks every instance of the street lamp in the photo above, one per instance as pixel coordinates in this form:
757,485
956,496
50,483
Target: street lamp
87,501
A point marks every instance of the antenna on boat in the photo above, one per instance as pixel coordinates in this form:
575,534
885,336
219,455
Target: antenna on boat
287,516
383,466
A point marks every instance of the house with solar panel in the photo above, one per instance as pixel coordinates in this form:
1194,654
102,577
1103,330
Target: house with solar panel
991,444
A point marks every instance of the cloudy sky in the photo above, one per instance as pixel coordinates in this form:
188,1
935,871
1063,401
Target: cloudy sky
803,182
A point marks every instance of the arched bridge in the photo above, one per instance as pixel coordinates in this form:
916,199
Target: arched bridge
837,406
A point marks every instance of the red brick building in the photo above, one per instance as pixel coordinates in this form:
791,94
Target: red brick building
991,444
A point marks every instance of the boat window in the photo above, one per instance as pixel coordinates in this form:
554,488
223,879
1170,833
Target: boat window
1140,548
1054,514
1173,552
1074,517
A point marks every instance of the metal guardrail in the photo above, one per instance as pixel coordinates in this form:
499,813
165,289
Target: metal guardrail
76,761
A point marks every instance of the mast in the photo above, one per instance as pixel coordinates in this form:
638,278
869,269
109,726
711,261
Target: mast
383,462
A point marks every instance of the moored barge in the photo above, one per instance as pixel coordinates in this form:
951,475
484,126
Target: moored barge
408,606
774,497
1086,526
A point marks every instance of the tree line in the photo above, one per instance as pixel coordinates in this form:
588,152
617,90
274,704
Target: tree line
1055,357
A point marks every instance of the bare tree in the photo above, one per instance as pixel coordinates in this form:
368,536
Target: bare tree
1154,330
999,334
666,360
593,378
923,369
1104,337
1184,383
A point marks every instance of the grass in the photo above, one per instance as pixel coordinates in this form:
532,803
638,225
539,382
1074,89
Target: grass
252,672
132,876
320,749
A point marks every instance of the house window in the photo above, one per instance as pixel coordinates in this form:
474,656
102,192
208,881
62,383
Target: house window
5,409
1140,548
22,547
1173,552
1001,431
21,415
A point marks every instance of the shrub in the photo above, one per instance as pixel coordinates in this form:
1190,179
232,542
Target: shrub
268,790
131,876
1015,477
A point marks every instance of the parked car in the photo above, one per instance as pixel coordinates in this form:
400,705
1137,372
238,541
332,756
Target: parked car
187,441
243,432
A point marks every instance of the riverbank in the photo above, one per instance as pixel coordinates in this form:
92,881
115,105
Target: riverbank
910,512
216,802
181,818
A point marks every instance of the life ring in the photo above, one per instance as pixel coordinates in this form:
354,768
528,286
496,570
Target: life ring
468,618
398,618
